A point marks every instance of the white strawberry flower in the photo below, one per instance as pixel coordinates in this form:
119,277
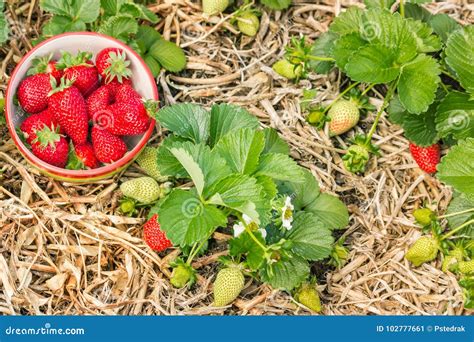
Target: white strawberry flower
287,213
239,228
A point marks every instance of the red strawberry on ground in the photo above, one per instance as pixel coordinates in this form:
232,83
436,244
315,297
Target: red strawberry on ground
114,85
82,157
427,158
112,64
154,237
80,69
69,109
45,65
50,146
98,101
107,147
33,93
35,123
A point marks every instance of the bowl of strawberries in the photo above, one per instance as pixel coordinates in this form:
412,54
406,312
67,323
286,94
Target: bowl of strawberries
79,106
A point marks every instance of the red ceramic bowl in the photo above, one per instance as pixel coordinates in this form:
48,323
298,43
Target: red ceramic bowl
142,79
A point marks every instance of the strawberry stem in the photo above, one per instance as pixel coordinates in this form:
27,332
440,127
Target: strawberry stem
455,230
340,95
402,8
320,58
194,250
456,213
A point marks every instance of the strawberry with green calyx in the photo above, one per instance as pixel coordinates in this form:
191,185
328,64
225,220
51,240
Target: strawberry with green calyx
144,189
183,274
45,65
248,22
288,70
339,254
80,70
128,206
212,7
69,109
357,155
427,158
466,267
424,216
112,64
82,157
423,250
107,147
50,146
316,117
36,122
307,294
147,160
154,237
229,283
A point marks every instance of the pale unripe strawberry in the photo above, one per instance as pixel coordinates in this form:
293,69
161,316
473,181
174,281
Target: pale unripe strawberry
309,297
148,161
182,274
423,216
356,158
143,189
286,69
466,267
423,250
229,282
343,115
248,23
211,7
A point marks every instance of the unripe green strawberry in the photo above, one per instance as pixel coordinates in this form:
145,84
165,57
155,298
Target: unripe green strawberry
143,189
356,158
466,267
286,69
316,118
423,216
343,115
211,7
309,297
148,162
229,282
423,250
248,23
182,275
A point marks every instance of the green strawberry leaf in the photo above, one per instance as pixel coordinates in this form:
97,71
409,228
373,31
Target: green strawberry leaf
347,22
396,111
4,27
386,4
273,142
120,27
244,245
241,149
191,166
167,163
301,193
455,116
86,11
310,238
322,47
169,55
460,56
418,83
268,185
60,24
138,11
330,210
417,12
457,167
187,120
146,37
425,39
373,63
241,193
185,219
279,167
226,117
421,128
443,25
345,47
287,273
461,203
111,7
277,4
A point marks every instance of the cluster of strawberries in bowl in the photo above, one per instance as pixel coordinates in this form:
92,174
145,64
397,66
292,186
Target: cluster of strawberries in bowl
79,112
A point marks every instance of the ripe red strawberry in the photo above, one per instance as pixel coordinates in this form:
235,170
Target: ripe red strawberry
50,146
427,158
107,147
82,157
98,101
154,237
45,65
33,93
69,109
35,123
112,64
114,85
80,69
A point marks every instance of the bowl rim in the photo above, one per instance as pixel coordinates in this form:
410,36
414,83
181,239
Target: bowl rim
78,174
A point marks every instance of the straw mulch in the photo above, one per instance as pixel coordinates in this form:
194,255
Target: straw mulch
65,248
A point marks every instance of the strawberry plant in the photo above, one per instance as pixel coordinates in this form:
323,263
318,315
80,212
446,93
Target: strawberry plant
421,62
120,19
243,182
4,28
